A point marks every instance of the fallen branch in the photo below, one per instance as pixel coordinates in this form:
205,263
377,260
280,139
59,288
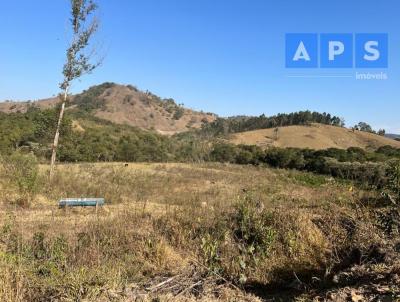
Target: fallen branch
189,288
153,288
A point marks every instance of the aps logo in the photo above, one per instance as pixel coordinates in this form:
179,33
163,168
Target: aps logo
308,50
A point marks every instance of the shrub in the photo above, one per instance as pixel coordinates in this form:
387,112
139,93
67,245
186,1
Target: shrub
252,225
244,157
223,153
22,171
209,247
253,234
389,151
284,158
394,178
369,174
178,113
249,155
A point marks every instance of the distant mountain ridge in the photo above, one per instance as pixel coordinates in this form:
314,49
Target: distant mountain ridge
393,136
125,105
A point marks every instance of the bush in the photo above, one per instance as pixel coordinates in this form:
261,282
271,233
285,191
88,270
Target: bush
244,157
389,151
179,112
254,234
253,225
249,155
394,178
224,153
368,174
22,171
284,158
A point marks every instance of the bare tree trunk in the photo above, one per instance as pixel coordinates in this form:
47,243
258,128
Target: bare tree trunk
57,135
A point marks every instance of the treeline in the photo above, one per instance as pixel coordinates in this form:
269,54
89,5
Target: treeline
29,130
223,126
98,141
369,168
103,141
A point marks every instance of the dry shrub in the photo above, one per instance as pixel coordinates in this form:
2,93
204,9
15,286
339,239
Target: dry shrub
300,248
12,280
103,254
21,171
353,237
127,238
252,243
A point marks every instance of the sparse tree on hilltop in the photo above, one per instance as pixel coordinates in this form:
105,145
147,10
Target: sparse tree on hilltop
382,132
362,126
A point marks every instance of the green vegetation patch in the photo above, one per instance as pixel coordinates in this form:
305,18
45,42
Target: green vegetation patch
309,179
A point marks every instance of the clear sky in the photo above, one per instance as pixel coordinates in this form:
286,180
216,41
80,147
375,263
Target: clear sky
222,56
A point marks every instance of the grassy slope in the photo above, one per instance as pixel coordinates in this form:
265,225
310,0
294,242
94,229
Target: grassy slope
316,137
166,220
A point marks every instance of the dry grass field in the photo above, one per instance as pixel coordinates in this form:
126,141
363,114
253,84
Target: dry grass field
315,136
194,232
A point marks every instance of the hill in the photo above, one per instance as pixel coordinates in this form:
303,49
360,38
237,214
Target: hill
133,110
315,136
125,105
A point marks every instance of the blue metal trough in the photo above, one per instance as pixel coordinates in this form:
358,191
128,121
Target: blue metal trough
81,202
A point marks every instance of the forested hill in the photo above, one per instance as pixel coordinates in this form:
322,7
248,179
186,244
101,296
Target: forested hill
223,126
125,104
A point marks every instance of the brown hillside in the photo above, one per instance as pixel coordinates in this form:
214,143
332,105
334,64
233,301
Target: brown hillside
128,105
125,105
16,106
316,137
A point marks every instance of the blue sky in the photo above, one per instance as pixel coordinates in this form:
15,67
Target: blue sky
222,56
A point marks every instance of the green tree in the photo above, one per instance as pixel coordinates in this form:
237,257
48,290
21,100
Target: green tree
362,126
